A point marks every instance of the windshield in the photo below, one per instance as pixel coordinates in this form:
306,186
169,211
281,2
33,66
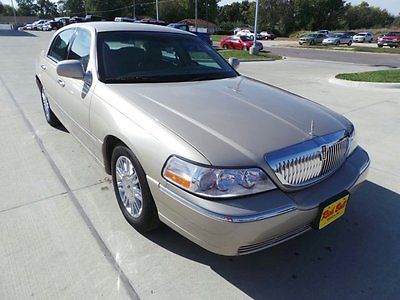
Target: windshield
310,35
361,34
132,56
246,38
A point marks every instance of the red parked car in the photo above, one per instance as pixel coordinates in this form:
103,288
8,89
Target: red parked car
238,43
391,39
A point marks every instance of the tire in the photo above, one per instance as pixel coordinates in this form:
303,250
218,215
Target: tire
337,43
380,46
48,113
225,46
130,183
349,43
312,43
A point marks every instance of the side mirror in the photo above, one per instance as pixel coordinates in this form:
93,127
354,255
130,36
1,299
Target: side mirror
234,62
70,68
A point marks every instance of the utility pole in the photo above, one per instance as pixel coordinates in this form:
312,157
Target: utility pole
134,9
255,24
15,16
157,10
195,14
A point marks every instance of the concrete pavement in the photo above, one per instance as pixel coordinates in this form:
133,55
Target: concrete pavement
63,236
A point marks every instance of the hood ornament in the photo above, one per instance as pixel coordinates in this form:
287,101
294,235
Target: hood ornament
311,133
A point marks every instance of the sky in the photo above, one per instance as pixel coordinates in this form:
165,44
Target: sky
393,6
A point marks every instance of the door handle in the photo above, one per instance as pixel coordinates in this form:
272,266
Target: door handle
61,82
43,67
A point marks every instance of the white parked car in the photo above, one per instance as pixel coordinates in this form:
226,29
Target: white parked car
245,32
363,37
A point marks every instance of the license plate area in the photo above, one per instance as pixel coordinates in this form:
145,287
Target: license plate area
331,210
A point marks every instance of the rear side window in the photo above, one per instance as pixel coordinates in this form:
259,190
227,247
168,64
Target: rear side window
80,48
59,48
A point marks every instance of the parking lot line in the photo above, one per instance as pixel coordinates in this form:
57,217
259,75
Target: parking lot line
107,253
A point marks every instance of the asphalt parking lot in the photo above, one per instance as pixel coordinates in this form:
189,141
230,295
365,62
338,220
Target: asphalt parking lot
63,236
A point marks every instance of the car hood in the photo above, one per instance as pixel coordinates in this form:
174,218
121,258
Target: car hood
234,121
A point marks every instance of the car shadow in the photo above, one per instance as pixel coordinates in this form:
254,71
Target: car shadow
355,257
16,33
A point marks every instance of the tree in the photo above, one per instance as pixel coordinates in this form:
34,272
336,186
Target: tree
26,8
365,16
46,9
71,7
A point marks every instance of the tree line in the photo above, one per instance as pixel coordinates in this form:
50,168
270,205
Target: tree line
279,16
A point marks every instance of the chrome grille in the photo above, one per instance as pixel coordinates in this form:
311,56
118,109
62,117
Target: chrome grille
310,161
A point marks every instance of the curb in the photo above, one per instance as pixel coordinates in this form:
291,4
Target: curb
374,85
336,50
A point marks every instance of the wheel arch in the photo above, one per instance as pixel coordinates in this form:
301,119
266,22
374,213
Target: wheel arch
109,143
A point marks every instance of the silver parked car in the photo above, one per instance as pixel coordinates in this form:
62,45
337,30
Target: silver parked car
233,164
337,39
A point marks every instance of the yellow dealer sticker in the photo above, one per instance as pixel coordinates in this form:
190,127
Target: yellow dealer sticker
333,211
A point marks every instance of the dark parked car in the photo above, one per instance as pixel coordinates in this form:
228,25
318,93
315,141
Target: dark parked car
202,35
238,43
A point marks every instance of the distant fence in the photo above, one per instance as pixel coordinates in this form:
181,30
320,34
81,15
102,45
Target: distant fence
20,19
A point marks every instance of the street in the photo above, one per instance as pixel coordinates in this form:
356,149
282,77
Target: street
63,236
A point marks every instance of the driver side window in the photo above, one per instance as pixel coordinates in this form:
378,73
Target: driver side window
80,48
59,48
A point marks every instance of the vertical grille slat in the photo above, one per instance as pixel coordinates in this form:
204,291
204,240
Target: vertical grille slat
304,167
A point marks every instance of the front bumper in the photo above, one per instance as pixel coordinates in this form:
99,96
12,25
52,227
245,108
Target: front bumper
249,224
388,43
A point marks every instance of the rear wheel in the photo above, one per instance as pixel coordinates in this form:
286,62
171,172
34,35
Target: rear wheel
380,46
312,43
349,43
337,43
132,191
48,113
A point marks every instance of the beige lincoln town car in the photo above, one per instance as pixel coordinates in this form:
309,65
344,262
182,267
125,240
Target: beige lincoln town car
233,164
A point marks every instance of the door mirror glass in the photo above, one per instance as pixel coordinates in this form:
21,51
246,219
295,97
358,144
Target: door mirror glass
70,69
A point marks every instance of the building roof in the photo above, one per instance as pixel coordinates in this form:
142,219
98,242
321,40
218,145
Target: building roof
200,23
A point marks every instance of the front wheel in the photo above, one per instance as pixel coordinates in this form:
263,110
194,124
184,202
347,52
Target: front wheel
225,46
312,43
48,113
132,190
349,43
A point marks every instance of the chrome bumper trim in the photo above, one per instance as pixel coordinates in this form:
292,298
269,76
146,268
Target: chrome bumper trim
231,219
247,249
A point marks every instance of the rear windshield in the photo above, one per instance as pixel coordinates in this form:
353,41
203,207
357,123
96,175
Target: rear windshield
131,56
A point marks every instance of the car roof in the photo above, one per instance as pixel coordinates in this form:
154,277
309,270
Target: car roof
124,26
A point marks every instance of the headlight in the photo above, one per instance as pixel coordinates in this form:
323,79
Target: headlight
215,182
352,141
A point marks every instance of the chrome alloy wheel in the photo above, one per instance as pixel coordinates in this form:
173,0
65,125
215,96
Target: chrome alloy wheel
46,105
129,188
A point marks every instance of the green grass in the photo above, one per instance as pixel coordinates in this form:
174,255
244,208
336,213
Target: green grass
245,55
356,49
373,76
217,37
